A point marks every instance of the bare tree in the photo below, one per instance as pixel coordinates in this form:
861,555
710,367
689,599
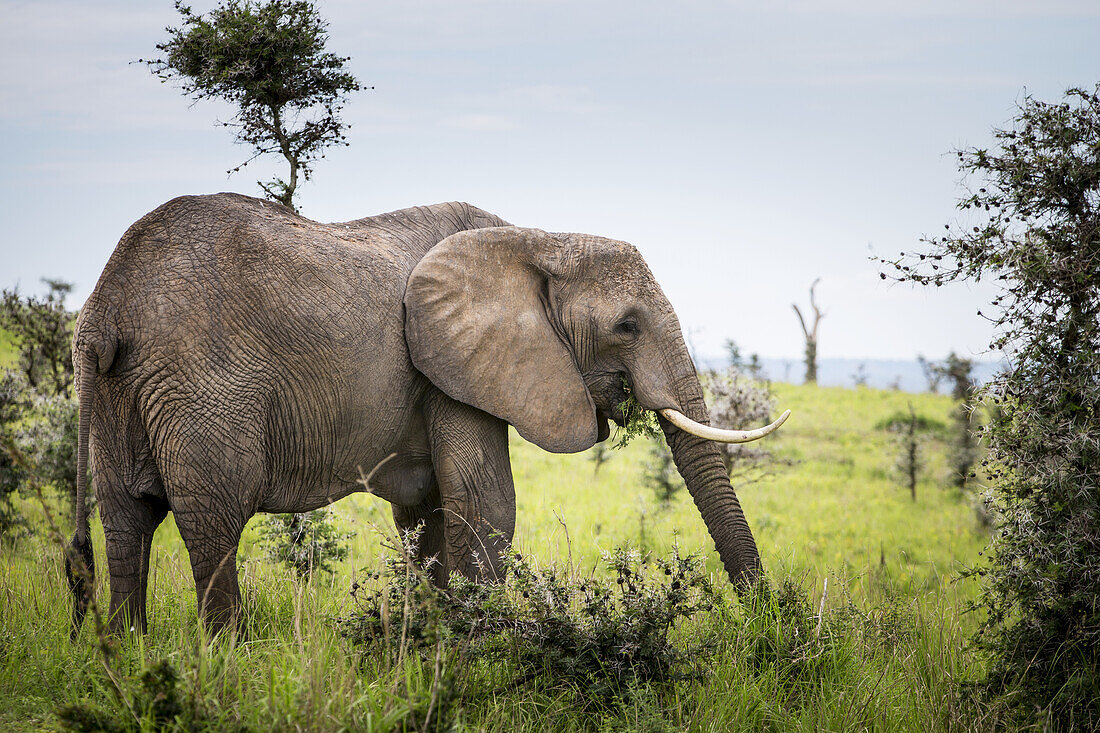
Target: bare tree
810,332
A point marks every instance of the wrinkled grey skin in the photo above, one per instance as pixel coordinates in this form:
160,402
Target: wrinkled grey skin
237,358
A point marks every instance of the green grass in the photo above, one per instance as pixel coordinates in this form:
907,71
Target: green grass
837,512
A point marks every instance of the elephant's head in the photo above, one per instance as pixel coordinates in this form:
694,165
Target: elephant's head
542,330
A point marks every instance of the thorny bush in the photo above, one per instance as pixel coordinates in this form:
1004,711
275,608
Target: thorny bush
1031,226
739,400
306,543
599,637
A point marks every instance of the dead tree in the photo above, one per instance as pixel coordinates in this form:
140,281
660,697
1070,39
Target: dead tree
810,332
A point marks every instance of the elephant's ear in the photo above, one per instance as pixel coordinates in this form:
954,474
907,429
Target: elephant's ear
477,321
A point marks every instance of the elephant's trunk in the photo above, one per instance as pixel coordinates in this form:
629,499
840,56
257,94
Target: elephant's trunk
700,464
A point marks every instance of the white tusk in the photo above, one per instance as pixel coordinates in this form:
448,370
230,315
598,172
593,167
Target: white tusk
688,425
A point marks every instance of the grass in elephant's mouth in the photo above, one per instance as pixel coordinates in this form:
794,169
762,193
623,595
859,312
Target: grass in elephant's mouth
884,651
638,422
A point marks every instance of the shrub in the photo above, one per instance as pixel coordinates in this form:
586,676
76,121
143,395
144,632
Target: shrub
150,700
44,332
14,399
737,400
910,430
306,543
1033,207
600,638
49,438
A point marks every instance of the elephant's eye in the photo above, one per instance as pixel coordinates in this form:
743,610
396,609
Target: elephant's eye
629,326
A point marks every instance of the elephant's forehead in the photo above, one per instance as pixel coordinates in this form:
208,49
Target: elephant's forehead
614,289
600,258
624,272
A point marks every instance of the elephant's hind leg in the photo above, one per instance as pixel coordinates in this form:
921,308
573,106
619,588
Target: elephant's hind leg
128,525
210,449
211,540
213,485
132,503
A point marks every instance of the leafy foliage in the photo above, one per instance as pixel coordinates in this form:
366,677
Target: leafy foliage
44,330
639,422
306,543
13,401
268,58
1034,230
597,637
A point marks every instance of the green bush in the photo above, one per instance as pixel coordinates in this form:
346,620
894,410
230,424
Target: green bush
150,700
14,400
600,638
1030,227
306,543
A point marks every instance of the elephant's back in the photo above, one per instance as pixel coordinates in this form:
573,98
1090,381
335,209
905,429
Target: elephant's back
230,312
212,295
198,264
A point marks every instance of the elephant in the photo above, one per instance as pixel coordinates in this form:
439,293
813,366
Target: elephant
235,357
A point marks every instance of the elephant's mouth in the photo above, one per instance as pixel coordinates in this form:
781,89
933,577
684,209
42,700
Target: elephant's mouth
603,430
609,393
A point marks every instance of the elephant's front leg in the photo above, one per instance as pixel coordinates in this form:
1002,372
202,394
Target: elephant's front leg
474,474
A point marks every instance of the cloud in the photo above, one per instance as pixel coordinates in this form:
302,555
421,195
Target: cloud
571,99
938,8
480,122
68,66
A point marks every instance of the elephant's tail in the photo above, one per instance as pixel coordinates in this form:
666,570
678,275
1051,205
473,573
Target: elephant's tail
79,559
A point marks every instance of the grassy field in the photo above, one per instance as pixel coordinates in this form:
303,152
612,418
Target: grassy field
834,510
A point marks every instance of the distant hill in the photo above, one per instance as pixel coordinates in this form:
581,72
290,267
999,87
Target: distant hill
880,373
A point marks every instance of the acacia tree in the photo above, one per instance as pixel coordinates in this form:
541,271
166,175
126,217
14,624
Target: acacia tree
809,331
911,431
933,375
1031,224
268,58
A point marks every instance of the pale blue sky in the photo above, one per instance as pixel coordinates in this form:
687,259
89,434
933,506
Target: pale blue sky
745,148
